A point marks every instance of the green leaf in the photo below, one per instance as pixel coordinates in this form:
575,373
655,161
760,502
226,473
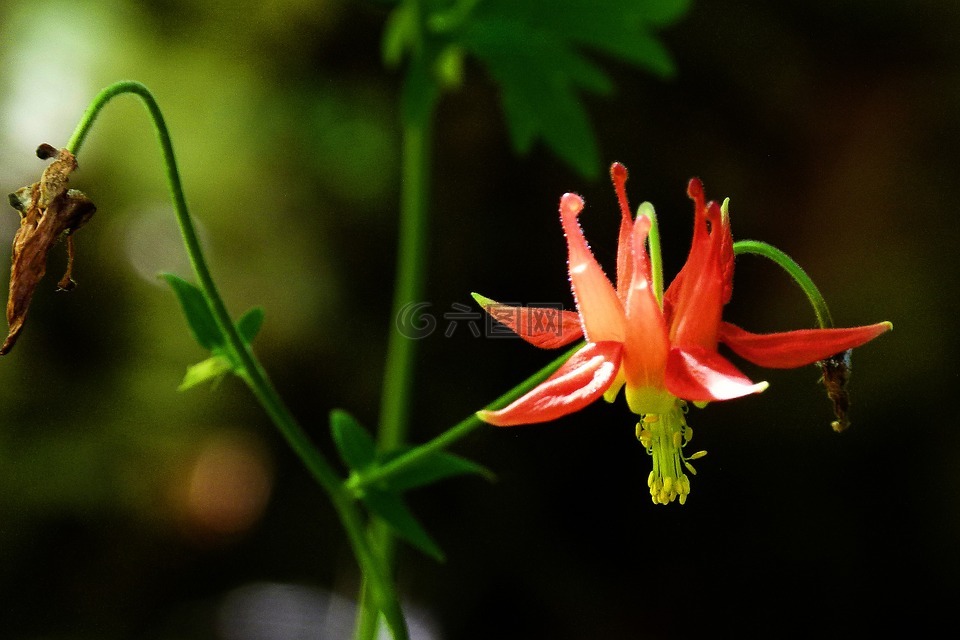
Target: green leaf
213,368
199,317
432,468
355,446
392,509
533,50
610,29
249,324
399,34
539,76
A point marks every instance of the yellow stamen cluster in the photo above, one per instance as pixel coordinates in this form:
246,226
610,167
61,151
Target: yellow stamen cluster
664,436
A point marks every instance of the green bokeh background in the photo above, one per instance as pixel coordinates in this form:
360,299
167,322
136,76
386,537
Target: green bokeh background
129,510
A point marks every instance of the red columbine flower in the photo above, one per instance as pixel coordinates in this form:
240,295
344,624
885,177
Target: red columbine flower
663,351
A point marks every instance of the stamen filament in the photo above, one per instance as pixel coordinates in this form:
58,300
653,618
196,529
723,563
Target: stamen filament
664,436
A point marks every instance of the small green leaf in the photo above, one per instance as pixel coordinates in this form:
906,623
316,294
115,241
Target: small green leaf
213,368
357,449
199,317
399,34
448,68
392,509
432,468
249,324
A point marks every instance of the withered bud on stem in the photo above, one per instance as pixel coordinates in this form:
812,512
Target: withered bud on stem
836,374
48,210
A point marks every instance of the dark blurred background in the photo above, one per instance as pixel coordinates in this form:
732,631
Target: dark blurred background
129,510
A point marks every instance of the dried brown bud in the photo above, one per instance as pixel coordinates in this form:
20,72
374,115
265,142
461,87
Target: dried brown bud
48,210
836,374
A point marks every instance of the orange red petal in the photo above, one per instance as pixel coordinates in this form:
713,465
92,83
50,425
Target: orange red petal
645,350
543,327
581,380
701,375
796,348
601,311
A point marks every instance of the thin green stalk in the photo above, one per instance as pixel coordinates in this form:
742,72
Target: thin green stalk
456,432
250,369
756,247
653,242
409,286
409,283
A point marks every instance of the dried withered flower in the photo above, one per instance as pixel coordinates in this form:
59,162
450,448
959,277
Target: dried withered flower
48,209
836,374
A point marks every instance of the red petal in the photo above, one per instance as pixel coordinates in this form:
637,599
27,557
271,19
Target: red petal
695,192
699,299
540,326
701,375
726,256
796,348
618,174
581,380
601,311
645,353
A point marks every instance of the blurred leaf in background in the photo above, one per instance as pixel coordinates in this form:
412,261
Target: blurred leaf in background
536,52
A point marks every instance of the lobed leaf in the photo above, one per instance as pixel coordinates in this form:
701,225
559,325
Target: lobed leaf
533,51
539,76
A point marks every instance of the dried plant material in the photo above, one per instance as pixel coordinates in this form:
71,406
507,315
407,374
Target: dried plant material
48,210
836,374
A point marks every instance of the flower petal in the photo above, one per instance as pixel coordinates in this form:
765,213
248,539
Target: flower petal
601,312
796,348
726,251
618,174
699,298
581,380
542,327
646,346
701,375
672,295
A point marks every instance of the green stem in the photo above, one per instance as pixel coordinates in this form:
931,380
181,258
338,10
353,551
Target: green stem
756,247
250,369
409,285
653,242
456,432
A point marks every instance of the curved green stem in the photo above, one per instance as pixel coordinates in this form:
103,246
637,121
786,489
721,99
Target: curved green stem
799,276
456,432
251,371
